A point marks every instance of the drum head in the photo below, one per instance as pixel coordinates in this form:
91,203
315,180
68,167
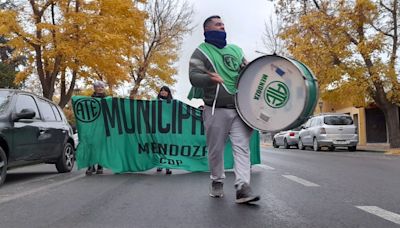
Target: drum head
272,93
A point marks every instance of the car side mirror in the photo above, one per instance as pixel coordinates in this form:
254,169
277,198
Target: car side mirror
25,113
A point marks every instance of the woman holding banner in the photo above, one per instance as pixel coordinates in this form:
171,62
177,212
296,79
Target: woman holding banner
99,92
164,94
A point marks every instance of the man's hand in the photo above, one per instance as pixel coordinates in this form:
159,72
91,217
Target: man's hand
244,63
215,77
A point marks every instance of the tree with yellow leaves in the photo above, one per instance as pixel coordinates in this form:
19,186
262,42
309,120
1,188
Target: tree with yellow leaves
352,47
8,65
154,66
67,40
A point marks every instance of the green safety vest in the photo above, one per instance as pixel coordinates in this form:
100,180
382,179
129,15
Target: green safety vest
226,61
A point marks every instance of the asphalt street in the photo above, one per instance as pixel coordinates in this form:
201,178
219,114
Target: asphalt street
297,188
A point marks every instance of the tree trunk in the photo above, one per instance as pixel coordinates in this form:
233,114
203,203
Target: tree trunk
66,94
391,113
135,89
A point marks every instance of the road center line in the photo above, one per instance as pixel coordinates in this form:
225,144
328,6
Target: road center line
300,181
390,216
35,190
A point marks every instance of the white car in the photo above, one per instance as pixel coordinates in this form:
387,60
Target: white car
329,130
76,139
286,139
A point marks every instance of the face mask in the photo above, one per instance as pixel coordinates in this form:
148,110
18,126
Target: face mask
217,38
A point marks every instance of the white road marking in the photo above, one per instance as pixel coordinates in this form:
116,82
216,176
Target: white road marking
43,188
265,167
301,181
40,179
390,216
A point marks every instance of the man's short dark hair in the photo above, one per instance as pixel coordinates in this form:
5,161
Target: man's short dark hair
209,19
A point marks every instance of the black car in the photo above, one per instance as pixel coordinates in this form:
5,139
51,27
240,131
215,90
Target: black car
33,130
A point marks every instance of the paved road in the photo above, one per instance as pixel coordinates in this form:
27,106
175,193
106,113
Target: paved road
298,189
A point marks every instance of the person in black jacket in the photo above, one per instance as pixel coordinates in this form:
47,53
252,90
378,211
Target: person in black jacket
164,94
99,92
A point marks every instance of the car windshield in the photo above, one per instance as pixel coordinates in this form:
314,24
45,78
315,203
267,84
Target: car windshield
4,100
338,120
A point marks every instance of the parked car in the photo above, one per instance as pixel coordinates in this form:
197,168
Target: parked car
33,130
329,130
286,139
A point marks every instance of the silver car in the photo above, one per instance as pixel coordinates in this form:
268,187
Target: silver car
329,130
286,139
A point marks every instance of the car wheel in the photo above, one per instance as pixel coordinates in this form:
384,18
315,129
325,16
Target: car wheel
274,144
316,147
352,148
285,144
3,166
301,145
66,161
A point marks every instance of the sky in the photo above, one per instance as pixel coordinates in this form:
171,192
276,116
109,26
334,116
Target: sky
244,24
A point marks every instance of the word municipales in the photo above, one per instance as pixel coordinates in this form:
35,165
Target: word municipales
139,116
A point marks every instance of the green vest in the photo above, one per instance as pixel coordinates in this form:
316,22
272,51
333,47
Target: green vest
226,62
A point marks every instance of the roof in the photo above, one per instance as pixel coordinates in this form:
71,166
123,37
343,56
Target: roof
22,91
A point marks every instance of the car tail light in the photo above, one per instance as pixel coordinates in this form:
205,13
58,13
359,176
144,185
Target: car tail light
322,131
291,134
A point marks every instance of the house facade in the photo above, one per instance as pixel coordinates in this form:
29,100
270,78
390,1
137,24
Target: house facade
370,121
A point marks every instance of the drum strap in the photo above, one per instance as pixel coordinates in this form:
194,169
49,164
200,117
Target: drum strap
207,72
215,100
226,62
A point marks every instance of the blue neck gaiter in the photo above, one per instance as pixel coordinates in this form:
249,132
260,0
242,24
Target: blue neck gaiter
216,38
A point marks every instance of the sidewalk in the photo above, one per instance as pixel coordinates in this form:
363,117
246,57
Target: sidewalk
375,147
378,147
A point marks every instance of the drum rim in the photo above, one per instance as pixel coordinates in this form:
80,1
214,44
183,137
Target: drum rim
307,80
312,85
311,81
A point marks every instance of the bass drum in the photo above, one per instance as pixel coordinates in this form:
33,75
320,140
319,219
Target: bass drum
276,93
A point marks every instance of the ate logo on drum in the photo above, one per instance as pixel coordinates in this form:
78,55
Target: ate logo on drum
276,94
231,62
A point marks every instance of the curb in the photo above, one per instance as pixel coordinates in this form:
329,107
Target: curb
393,151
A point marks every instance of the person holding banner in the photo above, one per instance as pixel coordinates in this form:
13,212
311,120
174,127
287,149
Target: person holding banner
99,92
164,94
213,71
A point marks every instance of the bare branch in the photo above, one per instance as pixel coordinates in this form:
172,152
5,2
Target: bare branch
385,6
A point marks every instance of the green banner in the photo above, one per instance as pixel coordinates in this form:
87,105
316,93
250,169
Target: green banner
127,135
